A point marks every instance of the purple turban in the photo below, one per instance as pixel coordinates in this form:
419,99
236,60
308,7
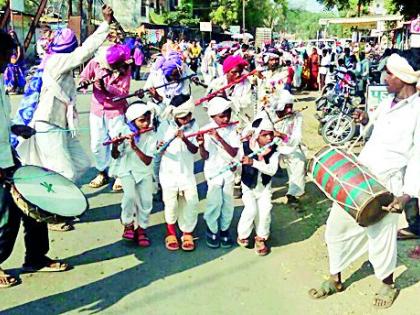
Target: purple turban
117,54
173,61
64,41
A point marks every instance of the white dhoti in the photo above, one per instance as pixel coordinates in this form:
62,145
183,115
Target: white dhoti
257,211
54,149
220,206
101,130
137,201
296,171
181,206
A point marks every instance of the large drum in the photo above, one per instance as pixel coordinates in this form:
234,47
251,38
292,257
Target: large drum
47,196
345,181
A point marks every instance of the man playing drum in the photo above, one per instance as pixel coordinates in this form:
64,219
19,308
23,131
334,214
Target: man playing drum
36,234
392,154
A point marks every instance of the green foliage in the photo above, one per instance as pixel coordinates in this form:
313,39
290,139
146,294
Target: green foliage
182,16
226,13
408,8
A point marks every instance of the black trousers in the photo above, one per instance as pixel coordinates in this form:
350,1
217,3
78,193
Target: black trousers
135,72
412,214
35,233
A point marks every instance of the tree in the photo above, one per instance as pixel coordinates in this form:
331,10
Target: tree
226,13
345,5
183,15
408,8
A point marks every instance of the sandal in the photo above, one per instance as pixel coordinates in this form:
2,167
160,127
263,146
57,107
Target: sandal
415,253
48,265
171,243
117,187
142,238
243,242
406,234
6,280
99,181
327,288
60,227
385,296
261,247
129,232
187,242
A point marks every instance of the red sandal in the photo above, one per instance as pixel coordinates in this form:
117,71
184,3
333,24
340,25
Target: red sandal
129,232
142,238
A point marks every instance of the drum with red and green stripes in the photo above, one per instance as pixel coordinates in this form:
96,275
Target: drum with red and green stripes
345,181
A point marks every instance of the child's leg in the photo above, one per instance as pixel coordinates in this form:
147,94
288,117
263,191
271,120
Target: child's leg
227,206
129,201
263,217
170,200
98,135
188,210
144,191
296,172
248,214
214,206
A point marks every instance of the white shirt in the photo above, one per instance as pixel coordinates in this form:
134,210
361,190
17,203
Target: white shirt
129,163
325,62
58,79
177,164
272,80
394,146
219,158
6,157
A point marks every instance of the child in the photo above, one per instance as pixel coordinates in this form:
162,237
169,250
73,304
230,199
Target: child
290,124
106,117
217,148
290,76
179,191
133,166
256,186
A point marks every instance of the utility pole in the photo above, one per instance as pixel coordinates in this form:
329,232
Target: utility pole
243,16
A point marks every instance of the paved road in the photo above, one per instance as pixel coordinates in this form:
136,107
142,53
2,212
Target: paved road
115,277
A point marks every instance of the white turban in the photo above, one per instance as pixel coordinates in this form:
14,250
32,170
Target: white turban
218,105
400,67
284,98
179,111
137,110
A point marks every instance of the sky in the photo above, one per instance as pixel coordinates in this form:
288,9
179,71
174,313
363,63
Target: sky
309,5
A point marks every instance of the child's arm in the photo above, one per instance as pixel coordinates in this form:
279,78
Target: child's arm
203,152
229,149
114,152
145,158
269,169
190,146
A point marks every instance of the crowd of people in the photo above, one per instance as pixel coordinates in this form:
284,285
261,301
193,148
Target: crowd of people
252,127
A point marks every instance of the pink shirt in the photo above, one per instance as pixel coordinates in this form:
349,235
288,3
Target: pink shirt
102,103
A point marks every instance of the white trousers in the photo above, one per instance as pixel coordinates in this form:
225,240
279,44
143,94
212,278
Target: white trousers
219,210
209,75
296,171
101,130
347,241
137,201
181,206
55,150
256,212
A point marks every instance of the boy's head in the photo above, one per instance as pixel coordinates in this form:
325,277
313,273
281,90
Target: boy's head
284,104
118,57
263,131
220,110
140,115
233,67
64,41
6,49
183,107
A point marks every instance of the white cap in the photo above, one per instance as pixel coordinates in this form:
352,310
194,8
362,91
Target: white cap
137,110
284,98
218,105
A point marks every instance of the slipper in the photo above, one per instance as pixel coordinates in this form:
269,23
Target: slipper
187,243
48,265
328,287
117,187
142,238
243,242
406,234
99,181
261,248
171,243
60,227
385,297
6,280
129,232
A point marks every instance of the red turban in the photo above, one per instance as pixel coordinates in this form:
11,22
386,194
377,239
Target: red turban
232,62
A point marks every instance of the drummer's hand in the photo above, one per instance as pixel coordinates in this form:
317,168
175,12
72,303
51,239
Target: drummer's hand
360,117
398,204
247,160
24,131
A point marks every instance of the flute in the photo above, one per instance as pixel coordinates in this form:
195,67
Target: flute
84,86
116,99
288,115
217,92
167,143
202,132
125,137
235,163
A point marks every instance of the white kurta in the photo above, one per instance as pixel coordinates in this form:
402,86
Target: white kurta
389,154
220,206
6,158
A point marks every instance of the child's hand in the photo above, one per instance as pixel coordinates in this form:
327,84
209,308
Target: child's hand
180,134
215,134
247,160
160,144
280,135
200,139
132,142
117,140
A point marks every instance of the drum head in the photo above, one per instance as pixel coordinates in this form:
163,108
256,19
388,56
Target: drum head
372,211
50,191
